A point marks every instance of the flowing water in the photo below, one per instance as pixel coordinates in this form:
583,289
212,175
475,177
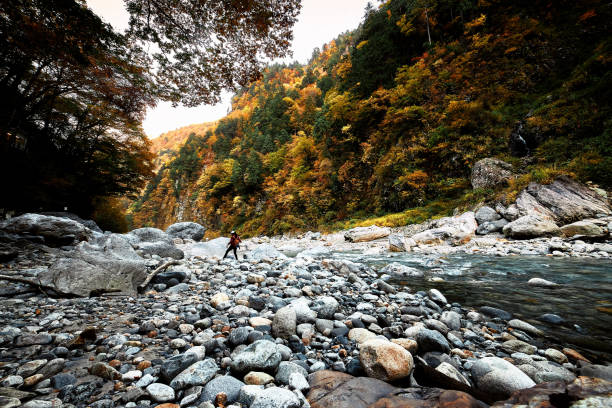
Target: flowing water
584,297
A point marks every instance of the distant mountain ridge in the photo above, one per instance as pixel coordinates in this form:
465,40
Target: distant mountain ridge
168,143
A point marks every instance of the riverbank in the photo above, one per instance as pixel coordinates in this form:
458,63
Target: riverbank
269,331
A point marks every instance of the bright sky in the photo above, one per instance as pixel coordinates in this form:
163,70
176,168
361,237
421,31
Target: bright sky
319,22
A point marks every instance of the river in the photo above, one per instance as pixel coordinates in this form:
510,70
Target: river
583,298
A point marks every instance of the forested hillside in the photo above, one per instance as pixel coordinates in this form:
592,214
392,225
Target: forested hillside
390,118
165,145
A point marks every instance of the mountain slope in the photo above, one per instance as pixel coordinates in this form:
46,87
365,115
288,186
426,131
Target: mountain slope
383,120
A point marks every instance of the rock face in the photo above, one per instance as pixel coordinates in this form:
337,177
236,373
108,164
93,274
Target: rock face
384,360
452,230
497,376
531,226
569,201
109,264
490,173
491,226
363,234
55,230
186,230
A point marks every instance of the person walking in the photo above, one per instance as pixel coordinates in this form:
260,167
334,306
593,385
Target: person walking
233,243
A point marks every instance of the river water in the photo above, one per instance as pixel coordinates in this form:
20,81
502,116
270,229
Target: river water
584,297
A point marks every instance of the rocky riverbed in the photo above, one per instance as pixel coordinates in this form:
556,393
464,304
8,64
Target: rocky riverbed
277,329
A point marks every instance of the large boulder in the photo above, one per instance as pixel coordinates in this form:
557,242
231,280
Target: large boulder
531,226
148,234
91,224
186,230
108,264
526,204
498,377
55,230
569,201
490,173
452,230
363,234
160,248
397,243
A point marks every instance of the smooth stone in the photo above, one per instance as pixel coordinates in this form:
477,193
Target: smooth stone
160,392
360,335
526,327
226,384
431,340
518,346
541,282
285,369
497,376
385,360
555,355
263,355
275,397
197,374
284,322
258,378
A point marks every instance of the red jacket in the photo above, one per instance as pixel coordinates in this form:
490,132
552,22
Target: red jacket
235,240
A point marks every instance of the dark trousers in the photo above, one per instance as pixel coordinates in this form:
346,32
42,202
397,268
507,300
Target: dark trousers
229,249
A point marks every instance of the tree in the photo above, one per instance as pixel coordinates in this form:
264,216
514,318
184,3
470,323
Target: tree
207,45
74,92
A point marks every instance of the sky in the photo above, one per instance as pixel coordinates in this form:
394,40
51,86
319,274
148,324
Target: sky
319,22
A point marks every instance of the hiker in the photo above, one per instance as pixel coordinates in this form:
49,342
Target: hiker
233,243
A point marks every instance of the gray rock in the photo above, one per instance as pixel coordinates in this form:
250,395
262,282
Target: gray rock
186,230
437,296
148,234
214,248
226,384
490,173
8,402
499,377
275,397
451,319
62,380
526,327
197,374
568,200
491,227
397,243
263,355
518,346
248,393
450,230
431,340
316,252
364,234
55,230
160,248
495,312
297,381
284,322
531,226
325,306
171,367
398,270
584,228
285,369
109,264
161,392
541,282
596,370
486,214
450,371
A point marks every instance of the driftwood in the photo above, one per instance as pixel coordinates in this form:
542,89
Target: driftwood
161,268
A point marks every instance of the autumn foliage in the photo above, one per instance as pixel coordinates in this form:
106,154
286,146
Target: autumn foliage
383,119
